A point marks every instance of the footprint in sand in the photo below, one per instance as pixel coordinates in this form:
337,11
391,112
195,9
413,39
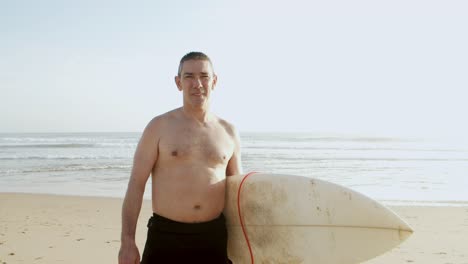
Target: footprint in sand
79,239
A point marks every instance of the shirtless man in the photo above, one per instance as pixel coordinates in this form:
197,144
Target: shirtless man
188,152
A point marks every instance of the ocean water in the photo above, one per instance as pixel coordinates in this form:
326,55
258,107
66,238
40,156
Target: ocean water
392,170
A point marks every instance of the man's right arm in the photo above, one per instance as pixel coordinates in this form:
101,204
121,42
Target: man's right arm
145,158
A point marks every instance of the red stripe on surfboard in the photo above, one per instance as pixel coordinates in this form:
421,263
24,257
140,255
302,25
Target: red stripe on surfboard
240,215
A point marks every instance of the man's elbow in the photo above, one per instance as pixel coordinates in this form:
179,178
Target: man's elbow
136,184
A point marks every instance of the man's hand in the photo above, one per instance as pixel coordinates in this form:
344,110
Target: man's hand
129,254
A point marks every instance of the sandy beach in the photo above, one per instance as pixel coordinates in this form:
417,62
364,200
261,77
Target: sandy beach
69,229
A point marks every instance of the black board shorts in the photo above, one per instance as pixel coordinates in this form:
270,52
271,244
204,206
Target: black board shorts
170,241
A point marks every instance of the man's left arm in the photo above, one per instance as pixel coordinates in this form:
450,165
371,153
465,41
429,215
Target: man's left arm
234,166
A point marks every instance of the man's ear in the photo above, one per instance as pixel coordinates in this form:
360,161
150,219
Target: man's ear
177,81
215,81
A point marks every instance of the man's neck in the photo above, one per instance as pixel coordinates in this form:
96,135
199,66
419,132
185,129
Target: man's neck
201,115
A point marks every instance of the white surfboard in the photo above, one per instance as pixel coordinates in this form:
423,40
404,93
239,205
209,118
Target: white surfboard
293,219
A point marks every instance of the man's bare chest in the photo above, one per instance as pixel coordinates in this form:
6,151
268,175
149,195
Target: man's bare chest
213,148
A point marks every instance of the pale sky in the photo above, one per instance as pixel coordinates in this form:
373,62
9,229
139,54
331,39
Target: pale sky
372,67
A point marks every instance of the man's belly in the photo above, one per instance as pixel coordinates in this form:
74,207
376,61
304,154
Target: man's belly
188,198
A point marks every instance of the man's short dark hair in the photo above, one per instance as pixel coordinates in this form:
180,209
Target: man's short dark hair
194,55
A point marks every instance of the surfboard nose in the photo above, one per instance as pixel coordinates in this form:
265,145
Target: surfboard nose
405,230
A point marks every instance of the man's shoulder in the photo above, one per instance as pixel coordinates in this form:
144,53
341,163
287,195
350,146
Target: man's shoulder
159,121
165,117
230,128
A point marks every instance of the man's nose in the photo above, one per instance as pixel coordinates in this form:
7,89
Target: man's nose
198,82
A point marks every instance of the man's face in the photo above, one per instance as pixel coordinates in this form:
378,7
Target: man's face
196,81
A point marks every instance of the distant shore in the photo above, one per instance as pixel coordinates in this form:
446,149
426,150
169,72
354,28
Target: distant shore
36,228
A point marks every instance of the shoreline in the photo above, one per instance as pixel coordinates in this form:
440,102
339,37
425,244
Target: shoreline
49,228
387,203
